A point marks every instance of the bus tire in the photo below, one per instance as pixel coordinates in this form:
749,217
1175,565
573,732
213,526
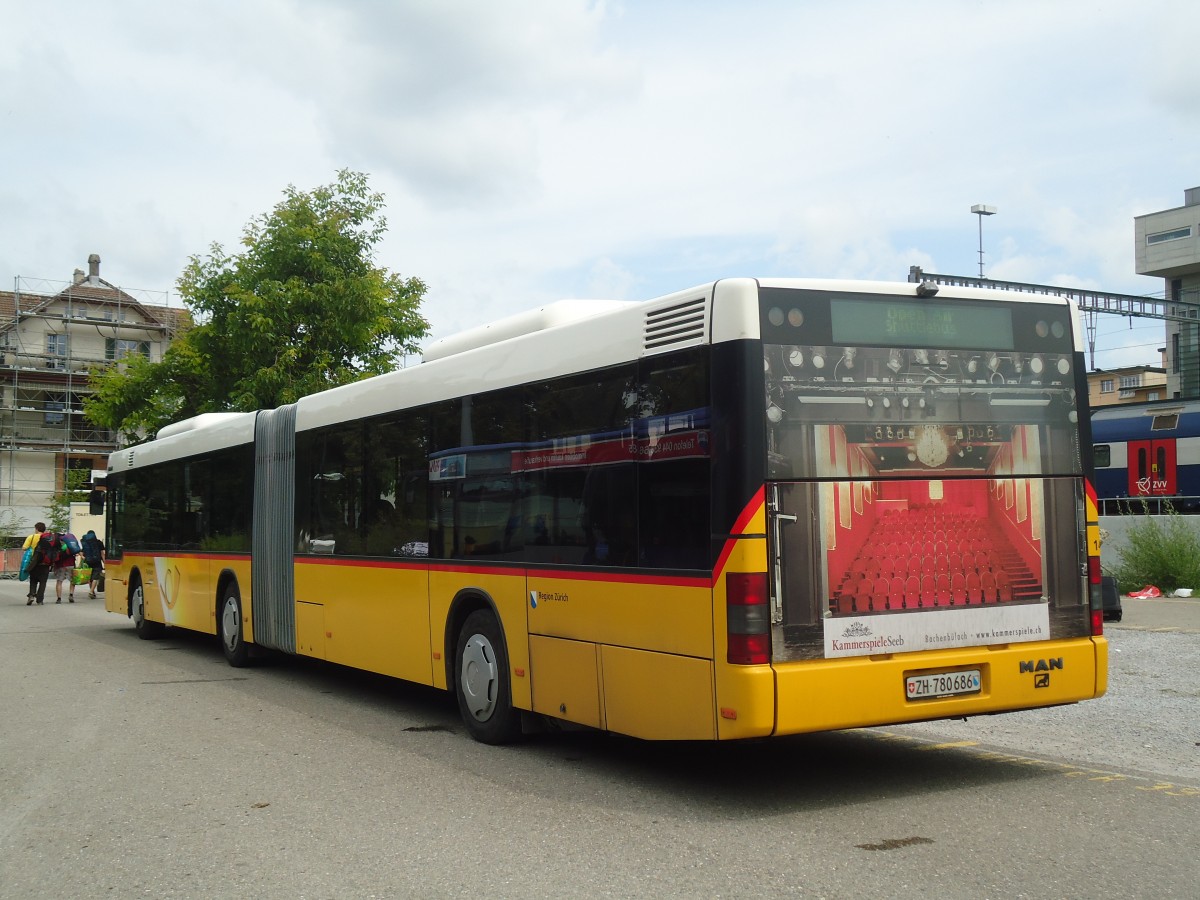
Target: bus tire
229,628
145,629
482,683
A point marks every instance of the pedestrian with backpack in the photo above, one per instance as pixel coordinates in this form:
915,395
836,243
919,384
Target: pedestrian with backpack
30,545
63,566
93,557
70,550
39,564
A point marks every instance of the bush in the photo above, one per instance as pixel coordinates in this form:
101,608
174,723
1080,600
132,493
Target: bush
1163,551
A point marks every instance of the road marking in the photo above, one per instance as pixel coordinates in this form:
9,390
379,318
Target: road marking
1070,770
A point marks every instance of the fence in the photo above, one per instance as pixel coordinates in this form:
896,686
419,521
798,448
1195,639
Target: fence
12,562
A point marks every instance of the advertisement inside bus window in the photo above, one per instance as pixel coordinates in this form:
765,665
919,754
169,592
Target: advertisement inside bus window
926,482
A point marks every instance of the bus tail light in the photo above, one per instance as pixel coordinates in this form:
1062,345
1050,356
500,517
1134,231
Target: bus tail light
1095,596
748,616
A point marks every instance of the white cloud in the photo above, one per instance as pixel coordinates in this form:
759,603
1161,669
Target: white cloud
544,148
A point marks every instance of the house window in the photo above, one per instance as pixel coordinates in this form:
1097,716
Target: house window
1153,395
1106,386
56,346
54,405
115,348
1128,382
1173,235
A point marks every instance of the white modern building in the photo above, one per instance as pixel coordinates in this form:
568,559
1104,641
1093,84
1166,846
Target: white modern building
1167,246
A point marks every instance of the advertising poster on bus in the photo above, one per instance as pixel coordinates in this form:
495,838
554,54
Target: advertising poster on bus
923,478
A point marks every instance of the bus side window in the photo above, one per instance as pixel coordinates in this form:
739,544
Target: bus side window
1102,455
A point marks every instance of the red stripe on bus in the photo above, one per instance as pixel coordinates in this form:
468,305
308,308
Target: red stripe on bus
739,527
615,576
144,554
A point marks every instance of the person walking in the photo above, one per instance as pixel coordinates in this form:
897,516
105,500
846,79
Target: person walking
64,569
39,565
30,544
93,556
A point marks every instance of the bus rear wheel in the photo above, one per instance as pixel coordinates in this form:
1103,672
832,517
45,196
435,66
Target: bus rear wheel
483,687
229,628
145,629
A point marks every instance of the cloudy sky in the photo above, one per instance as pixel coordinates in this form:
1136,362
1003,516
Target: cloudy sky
533,150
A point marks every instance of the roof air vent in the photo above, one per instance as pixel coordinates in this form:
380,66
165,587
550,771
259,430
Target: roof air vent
682,324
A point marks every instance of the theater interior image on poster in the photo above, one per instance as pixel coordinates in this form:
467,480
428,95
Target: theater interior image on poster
919,490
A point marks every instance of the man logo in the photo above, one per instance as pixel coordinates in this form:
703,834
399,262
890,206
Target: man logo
1042,665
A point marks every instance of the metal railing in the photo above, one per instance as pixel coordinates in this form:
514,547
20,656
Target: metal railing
1150,506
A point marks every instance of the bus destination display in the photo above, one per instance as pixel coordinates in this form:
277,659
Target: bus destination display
891,322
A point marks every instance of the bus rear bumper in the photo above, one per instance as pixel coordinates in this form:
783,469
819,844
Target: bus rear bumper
824,695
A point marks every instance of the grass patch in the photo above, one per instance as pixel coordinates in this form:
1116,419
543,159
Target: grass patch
1163,551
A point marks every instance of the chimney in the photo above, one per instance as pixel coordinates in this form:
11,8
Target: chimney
94,268
78,276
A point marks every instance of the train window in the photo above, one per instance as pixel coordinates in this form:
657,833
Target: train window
1165,422
1102,455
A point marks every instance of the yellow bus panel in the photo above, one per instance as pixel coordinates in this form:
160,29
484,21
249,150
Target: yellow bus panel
507,592
375,617
177,590
745,701
845,693
310,629
658,614
565,680
658,696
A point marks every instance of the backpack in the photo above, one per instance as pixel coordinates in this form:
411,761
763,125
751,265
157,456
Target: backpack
45,551
90,546
70,542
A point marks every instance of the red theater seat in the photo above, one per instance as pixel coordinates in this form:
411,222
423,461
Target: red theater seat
943,589
928,591
958,589
974,589
987,586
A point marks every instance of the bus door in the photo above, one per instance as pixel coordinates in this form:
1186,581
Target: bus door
1152,468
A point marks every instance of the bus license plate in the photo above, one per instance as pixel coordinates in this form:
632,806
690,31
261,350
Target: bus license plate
935,685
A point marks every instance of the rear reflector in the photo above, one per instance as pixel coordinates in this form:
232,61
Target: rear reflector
748,618
1096,595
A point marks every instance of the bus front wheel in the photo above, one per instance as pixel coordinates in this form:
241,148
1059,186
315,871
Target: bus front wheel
229,623
145,629
484,691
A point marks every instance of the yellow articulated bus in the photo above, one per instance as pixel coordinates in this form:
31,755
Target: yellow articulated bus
752,508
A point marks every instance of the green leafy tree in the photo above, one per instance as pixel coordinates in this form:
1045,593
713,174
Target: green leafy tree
303,308
59,517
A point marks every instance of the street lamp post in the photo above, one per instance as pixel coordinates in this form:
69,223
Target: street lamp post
982,210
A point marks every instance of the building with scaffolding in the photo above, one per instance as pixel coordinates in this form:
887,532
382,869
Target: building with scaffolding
52,334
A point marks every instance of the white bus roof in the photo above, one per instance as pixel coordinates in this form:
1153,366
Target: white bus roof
556,339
